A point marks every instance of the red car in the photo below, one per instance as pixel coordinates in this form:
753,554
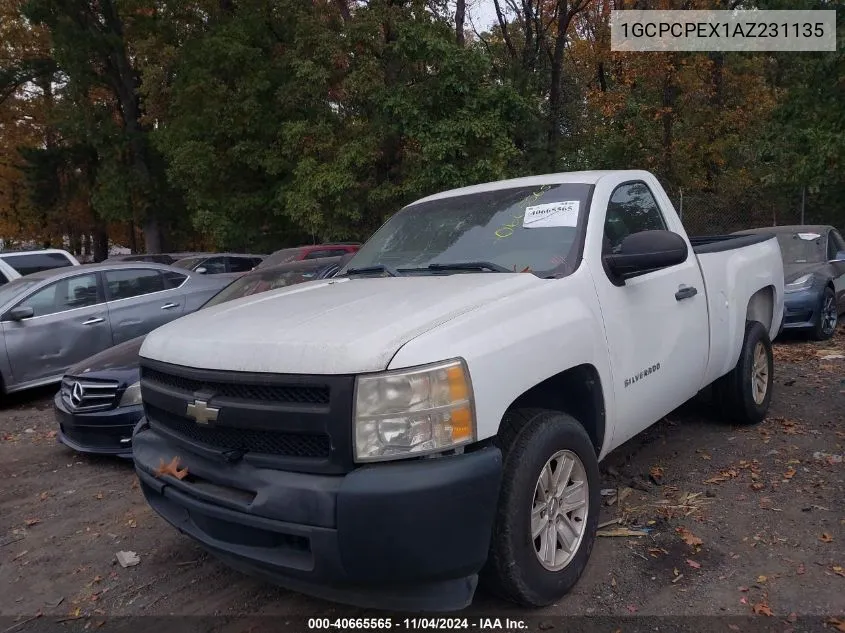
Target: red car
298,253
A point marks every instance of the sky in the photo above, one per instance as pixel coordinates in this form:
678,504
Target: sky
483,13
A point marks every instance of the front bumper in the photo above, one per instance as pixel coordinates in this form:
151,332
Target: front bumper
801,309
409,535
98,432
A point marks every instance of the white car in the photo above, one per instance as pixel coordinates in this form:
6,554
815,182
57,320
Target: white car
15,264
438,413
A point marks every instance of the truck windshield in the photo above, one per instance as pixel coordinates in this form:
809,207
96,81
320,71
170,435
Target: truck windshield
525,229
802,248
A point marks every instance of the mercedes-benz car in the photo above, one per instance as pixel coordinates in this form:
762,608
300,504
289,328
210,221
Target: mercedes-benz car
100,400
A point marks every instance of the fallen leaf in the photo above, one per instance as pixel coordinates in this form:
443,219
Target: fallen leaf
733,627
790,473
801,569
761,579
826,538
693,564
688,537
837,624
171,468
631,608
743,600
761,608
743,588
44,495
31,522
99,495
838,570
757,486
132,523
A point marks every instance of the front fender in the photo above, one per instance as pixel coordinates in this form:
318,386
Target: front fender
515,343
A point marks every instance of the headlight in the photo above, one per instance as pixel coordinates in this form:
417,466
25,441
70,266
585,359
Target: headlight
131,396
802,283
411,412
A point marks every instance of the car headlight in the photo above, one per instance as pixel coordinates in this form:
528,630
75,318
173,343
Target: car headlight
131,396
411,412
802,283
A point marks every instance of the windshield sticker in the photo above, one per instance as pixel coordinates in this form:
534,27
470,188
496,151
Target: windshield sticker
552,214
809,236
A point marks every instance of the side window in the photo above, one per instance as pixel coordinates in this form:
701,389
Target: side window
632,209
132,282
67,294
240,264
36,262
214,265
172,279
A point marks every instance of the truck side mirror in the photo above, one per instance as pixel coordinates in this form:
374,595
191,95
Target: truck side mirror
840,257
644,252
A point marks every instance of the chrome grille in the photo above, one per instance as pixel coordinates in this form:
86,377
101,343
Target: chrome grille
85,394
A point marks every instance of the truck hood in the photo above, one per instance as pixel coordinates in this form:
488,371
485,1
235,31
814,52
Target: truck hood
337,326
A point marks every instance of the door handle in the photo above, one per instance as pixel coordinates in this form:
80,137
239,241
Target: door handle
169,306
685,292
93,320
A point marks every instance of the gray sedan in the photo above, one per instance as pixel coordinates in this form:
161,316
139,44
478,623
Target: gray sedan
56,318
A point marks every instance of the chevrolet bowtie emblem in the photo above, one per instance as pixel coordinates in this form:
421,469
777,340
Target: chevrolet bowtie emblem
201,412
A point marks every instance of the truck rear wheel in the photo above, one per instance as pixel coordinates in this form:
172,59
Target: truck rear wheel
548,508
746,391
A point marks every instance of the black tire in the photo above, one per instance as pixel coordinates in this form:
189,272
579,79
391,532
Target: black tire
823,329
734,391
513,570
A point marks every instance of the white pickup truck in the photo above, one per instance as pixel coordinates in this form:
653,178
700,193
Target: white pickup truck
437,412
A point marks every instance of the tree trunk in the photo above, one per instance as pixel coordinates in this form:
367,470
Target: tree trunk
124,81
460,17
101,242
667,116
152,235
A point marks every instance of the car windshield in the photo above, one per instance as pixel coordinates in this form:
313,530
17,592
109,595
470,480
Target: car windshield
802,248
16,288
188,263
283,256
525,229
256,282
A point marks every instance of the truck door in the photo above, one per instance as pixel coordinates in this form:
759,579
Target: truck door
656,323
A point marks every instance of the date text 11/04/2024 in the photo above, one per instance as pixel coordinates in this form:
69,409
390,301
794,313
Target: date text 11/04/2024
416,623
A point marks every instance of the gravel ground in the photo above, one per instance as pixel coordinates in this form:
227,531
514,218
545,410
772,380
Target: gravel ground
724,521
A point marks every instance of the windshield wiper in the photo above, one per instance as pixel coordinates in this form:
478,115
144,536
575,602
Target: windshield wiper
489,266
378,268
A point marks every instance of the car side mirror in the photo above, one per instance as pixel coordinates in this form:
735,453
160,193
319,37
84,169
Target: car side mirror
201,270
840,257
21,312
644,252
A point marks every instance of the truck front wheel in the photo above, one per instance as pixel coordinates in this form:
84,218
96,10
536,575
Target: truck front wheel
746,391
548,508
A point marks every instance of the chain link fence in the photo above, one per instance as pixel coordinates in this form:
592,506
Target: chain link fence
709,213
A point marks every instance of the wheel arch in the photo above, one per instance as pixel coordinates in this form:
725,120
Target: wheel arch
761,307
576,391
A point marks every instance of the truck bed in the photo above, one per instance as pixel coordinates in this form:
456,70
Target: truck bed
720,243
